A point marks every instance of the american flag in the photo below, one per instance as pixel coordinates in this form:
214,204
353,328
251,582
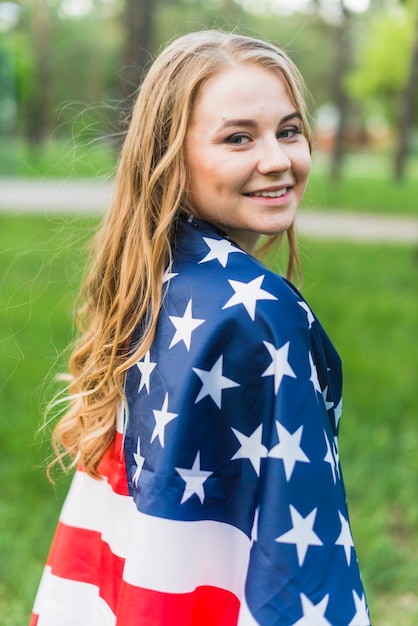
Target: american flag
222,501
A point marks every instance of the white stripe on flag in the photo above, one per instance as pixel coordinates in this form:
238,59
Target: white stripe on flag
164,555
92,505
177,557
63,602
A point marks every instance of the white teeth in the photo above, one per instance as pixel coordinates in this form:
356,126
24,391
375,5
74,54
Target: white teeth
269,194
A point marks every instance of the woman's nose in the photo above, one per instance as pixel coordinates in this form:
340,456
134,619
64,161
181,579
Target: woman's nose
273,158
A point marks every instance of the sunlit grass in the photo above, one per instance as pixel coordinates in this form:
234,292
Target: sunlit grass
39,273
59,159
366,185
365,296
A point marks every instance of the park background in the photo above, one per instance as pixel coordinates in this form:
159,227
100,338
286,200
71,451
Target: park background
68,72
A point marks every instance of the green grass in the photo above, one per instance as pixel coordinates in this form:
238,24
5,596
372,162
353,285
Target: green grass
362,194
38,278
367,185
367,300
365,295
59,159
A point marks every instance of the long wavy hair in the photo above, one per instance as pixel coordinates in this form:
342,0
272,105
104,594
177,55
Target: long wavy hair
132,249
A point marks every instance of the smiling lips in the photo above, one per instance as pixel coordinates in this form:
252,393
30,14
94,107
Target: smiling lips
269,194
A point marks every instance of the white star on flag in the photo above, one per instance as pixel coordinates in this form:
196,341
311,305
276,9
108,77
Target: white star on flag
329,458
139,460
313,614
288,449
279,366
306,308
184,327
214,382
168,275
162,418
345,539
361,618
301,534
145,367
248,294
314,375
194,479
219,249
328,405
336,455
251,448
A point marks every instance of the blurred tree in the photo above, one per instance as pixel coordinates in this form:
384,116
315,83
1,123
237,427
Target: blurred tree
66,63
407,111
340,92
382,62
139,34
39,106
308,39
386,75
7,98
70,53
87,52
26,83
342,54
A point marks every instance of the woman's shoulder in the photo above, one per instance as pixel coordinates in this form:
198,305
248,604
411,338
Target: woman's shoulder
213,279
213,263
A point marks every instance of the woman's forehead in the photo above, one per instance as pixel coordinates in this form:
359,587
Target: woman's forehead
240,91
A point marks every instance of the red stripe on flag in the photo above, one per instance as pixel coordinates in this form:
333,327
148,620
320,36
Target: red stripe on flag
205,606
113,468
33,620
82,555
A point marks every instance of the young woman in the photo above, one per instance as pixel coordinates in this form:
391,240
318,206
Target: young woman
205,394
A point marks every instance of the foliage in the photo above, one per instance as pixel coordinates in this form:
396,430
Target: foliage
82,66
383,61
68,59
364,295
307,39
85,52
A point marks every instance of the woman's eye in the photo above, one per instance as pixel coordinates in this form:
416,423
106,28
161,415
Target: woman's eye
289,133
237,140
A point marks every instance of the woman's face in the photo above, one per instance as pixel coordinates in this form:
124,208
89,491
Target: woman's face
247,157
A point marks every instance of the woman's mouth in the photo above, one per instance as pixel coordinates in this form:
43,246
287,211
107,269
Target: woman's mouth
269,194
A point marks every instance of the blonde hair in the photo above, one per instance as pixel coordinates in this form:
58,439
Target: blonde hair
133,247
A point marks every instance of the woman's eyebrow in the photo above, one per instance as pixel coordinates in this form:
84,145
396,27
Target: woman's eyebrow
227,123
291,116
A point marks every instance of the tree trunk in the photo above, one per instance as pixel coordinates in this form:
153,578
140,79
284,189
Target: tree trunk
407,113
341,99
38,128
139,35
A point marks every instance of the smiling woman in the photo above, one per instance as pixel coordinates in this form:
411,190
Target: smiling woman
247,156
205,396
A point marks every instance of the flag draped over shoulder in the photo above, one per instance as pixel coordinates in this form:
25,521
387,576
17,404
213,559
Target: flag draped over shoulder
222,501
